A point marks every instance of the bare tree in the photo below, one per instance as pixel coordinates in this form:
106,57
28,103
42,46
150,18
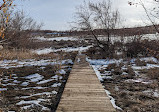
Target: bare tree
101,15
151,13
19,29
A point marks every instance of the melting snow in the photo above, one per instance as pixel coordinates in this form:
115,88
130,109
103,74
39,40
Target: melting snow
55,77
68,49
34,77
34,88
16,63
45,81
148,66
57,39
97,72
25,84
43,51
104,61
152,92
62,71
112,100
28,102
127,39
140,80
56,85
33,102
38,94
149,59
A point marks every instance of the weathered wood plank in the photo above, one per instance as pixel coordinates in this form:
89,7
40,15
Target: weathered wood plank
83,91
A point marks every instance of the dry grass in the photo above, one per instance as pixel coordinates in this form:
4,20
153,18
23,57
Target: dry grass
47,56
111,66
153,73
140,63
24,54
16,54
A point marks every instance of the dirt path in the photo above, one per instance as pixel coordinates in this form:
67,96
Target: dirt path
83,91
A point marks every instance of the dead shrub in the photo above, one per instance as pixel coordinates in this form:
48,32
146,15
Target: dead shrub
134,49
47,56
16,54
153,73
117,71
130,72
151,62
140,63
142,48
98,53
111,66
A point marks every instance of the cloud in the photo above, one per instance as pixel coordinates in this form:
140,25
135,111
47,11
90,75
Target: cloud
57,13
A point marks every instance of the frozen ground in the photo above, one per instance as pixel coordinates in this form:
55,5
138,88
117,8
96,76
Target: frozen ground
33,83
37,83
68,49
115,73
57,39
130,38
32,62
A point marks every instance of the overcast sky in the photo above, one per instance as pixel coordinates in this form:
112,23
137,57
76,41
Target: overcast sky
56,14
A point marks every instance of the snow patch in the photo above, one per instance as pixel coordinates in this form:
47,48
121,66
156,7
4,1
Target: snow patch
25,84
104,61
139,80
57,39
68,49
31,62
45,81
97,72
34,77
38,94
56,85
112,100
62,71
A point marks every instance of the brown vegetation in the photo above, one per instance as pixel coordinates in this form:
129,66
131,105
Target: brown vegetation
153,73
16,54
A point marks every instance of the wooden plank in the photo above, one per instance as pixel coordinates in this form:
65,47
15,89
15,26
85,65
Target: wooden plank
83,91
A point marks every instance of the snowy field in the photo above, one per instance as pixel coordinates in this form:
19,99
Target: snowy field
57,39
68,49
130,38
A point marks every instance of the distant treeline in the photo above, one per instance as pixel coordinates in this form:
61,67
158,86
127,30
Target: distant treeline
119,32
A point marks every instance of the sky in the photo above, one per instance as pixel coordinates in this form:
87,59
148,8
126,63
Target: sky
58,14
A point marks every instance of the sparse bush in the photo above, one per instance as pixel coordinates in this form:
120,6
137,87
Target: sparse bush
140,63
134,49
97,53
33,108
139,48
117,71
18,32
153,73
16,54
130,72
111,66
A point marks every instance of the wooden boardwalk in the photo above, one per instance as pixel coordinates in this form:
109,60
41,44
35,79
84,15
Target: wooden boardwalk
83,91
